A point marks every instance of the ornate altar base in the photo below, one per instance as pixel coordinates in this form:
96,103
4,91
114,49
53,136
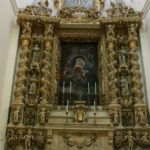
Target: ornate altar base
44,112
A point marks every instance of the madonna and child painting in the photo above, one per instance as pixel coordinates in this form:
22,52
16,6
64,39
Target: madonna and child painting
79,70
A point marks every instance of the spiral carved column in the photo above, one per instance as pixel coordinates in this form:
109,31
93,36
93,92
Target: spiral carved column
136,84
47,66
16,116
114,107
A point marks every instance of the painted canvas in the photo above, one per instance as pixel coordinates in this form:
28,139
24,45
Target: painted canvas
79,3
79,71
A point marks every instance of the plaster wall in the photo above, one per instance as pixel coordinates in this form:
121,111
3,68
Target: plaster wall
145,50
8,44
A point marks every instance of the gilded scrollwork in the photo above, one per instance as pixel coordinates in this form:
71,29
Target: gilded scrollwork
71,12
80,141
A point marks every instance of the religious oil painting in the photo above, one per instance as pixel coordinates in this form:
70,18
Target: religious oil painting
78,72
79,3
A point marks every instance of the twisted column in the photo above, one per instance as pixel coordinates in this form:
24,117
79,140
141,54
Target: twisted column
134,65
113,89
114,107
17,107
23,64
136,84
46,85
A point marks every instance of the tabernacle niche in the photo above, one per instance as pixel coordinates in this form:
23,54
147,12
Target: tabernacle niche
78,73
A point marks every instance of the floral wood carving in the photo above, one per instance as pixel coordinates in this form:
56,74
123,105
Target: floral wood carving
72,12
80,140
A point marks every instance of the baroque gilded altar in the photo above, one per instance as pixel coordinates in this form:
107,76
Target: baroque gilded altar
116,117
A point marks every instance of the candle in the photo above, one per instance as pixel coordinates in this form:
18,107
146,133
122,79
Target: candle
88,88
70,86
95,88
94,106
67,106
63,87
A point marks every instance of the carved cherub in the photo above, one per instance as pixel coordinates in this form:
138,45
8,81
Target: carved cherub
110,30
27,28
48,30
28,138
133,29
130,138
126,102
15,115
42,116
141,117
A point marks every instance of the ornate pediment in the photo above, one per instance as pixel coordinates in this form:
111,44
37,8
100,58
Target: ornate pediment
119,9
40,9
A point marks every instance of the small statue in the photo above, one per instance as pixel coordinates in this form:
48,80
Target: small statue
122,39
132,29
110,30
28,137
36,56
27,28
15,115
42,116
141,117
122,56
116,118
130,139
48,30
33,85
124,85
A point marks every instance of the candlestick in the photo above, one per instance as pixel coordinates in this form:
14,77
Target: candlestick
63,87
95,88
70,86
88,88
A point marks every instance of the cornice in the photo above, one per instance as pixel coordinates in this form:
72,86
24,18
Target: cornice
146,8
14,6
